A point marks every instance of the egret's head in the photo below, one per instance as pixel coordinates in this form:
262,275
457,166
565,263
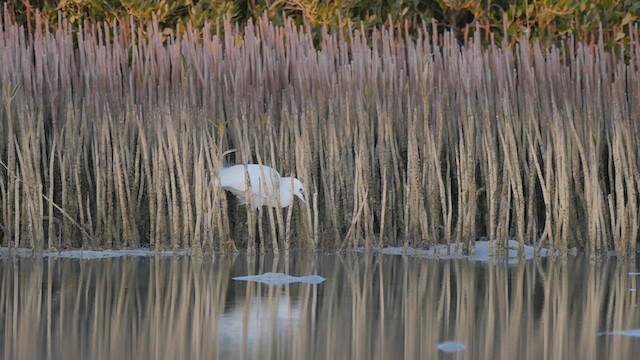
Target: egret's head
298,189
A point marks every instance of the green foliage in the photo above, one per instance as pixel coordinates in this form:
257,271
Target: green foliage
550,20
544,20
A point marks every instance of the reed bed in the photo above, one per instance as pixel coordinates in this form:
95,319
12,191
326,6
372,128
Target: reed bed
114,137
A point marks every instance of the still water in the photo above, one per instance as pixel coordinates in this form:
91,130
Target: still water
369,307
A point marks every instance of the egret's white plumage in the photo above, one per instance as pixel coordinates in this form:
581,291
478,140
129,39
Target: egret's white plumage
232,179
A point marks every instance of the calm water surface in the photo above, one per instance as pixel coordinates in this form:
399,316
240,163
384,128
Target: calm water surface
370,307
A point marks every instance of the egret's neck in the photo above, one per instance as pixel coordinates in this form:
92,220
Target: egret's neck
286,195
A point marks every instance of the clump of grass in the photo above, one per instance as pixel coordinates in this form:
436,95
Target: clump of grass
398,139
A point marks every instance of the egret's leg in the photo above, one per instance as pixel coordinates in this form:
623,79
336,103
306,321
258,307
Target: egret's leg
230,246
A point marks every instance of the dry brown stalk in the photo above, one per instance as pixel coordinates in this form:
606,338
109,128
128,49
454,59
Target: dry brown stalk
64,213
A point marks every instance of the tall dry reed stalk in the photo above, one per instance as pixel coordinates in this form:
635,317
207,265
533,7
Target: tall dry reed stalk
398,140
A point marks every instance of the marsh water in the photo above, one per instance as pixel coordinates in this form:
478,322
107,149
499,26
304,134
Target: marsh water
369,307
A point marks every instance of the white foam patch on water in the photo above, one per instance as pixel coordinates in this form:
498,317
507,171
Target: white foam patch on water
451,346
281,279
630,332
89,254
481,252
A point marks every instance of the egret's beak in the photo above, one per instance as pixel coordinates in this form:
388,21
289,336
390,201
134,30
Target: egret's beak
301,196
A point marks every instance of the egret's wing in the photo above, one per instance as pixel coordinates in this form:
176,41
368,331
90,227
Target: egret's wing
259,187
232,179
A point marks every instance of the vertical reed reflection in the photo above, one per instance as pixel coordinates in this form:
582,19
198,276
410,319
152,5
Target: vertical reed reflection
370,307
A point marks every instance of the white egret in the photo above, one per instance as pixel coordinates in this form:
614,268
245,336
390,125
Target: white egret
232,179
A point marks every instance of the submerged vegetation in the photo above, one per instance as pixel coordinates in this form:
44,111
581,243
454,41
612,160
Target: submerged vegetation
112,135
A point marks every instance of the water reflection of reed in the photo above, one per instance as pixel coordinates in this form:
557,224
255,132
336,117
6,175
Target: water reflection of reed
369,308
